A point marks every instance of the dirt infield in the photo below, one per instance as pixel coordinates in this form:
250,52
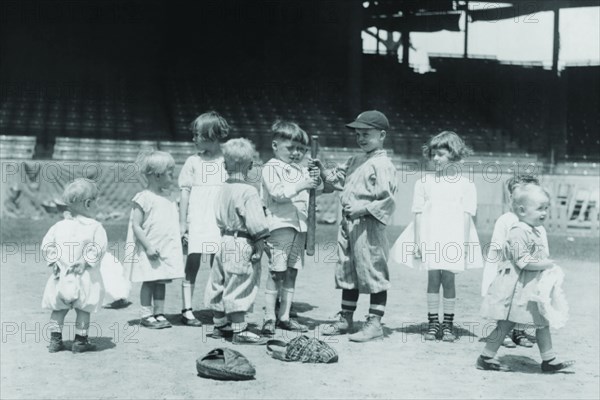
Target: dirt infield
134,362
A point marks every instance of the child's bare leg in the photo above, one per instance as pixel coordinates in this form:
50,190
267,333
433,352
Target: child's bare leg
449,301
82,324
486,360
287,293
287,297
550,361
192,266
146,293
158,294
57,320
274,283
495,339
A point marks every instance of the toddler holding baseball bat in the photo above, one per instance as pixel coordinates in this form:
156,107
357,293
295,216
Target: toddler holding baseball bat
284,191
368,185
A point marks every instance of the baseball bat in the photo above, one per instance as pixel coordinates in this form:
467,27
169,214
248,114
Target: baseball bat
312,205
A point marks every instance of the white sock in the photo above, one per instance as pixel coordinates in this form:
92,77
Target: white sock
433,303
448,305
548,355
146,311
239,326
488,353
81,332
270,300
187,293
287,296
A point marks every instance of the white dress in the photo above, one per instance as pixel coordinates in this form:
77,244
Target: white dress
494,254
443,201
204,179
116,282
67,242
161,226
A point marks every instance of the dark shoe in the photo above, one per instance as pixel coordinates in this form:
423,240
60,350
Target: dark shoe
490,364
220,332
268,328
371,330
521,339
292,325
56,343
189,321
547,366
151,324
433,331
249,338
342,326
121,303
447,334
82,344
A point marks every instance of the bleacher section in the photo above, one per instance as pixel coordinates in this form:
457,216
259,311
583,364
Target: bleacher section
418,106
111,109
17,147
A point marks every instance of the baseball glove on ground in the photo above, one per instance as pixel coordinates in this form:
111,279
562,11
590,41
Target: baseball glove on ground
225,364
303,349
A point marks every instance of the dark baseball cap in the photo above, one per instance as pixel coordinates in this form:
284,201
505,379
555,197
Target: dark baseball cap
370,119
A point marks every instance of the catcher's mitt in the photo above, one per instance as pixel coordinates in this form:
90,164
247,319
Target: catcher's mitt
303,349
225,364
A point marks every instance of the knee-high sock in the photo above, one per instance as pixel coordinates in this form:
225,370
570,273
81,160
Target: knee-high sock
378,302
270,301
287,296
349,300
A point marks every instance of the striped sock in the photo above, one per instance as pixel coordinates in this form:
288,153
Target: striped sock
433,303
239,327
378,302
448,319
448,305
349,300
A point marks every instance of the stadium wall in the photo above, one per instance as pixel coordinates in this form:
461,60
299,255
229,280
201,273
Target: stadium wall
29,189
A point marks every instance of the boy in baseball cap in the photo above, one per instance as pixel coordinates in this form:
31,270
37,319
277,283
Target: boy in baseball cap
369,120
368,185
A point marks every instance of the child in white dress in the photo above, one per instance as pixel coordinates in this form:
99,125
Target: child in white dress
200,181
442,239
527,287
153,251
494,255
74,248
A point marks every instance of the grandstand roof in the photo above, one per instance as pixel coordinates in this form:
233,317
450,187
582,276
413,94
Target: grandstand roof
436,15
